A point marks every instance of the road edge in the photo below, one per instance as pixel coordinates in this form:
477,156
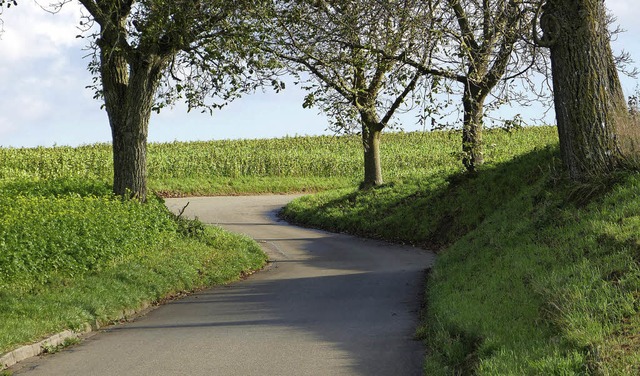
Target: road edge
54,341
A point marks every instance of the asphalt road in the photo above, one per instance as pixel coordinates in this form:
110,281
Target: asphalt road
328,304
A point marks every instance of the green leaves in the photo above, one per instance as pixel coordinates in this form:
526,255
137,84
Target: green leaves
208,51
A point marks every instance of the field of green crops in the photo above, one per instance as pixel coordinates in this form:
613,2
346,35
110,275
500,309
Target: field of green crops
273,165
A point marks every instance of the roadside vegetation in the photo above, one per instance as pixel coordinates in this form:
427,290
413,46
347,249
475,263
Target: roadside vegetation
72,253
535,275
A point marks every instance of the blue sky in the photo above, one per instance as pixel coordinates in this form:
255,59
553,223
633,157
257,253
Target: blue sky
43,100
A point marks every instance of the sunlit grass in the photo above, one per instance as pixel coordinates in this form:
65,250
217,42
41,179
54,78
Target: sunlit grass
71,253
267,166
535,275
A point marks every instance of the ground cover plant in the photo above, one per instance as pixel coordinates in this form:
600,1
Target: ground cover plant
72,253
535,275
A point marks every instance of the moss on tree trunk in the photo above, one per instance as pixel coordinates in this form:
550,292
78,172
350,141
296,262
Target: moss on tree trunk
588,97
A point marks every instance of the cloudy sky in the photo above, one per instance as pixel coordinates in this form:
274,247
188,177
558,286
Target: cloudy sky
43,99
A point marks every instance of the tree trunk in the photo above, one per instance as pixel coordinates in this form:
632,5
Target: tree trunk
472,149
371,132
129,90
588,97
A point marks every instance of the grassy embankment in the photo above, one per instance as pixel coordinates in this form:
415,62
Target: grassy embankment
536,276
71,254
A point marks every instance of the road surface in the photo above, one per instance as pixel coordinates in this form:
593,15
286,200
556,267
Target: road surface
328,304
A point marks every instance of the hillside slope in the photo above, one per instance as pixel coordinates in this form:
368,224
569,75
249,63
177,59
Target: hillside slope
535,275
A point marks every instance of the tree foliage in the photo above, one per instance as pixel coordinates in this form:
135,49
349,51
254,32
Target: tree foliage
208,55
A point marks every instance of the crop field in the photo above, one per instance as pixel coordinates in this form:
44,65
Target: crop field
272,165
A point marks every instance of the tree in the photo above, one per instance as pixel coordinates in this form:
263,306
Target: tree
481,46
149,53
333,46
591,110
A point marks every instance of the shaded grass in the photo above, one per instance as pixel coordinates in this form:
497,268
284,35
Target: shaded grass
545,285
225,186
432,210
536,275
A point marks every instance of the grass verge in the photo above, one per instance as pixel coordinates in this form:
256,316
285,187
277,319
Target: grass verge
548,284
536,276
71,254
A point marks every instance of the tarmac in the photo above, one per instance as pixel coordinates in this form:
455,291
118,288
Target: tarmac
327,304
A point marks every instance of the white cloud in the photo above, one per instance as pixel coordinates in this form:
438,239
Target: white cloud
626,11
31,32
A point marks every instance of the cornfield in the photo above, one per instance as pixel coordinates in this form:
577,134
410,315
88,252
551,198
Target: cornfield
403,154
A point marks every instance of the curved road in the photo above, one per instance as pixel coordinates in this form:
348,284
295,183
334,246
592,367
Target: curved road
328,304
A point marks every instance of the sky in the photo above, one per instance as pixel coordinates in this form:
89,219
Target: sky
44,100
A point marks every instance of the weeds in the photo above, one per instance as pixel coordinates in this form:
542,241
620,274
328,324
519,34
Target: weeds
70,341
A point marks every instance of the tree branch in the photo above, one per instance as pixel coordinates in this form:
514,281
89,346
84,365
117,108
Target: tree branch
400,99
463,22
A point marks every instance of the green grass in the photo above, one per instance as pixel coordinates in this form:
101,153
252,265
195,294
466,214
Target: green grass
71,254
545,285
438,205
535,275
295,164
182,265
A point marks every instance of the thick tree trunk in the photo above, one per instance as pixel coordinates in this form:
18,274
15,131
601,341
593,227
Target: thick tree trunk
129,90
472,149
588,97
371,133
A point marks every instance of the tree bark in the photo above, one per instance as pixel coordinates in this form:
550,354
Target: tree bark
472,148
589,100
371,133
129,89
